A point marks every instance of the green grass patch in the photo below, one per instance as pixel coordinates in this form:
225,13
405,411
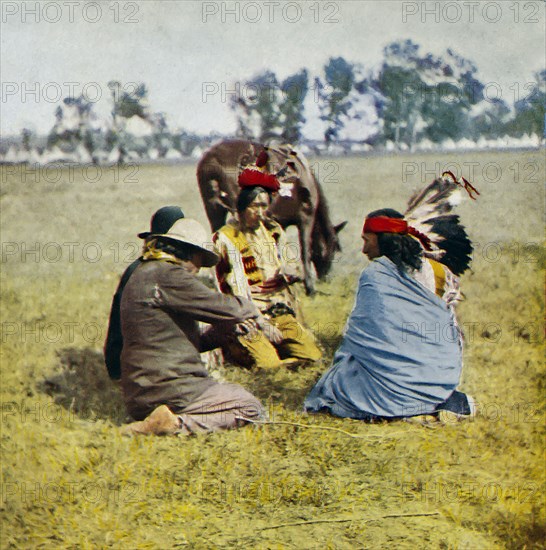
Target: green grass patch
69,480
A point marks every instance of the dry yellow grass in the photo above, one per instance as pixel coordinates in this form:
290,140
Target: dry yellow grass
69,480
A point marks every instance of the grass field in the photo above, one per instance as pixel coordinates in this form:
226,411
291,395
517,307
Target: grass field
69,480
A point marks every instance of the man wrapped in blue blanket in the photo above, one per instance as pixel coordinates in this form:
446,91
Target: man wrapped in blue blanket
401,354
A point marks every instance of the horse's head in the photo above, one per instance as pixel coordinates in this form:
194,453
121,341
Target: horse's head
325,244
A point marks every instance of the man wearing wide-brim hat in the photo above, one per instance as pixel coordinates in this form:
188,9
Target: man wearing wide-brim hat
162,376
162,220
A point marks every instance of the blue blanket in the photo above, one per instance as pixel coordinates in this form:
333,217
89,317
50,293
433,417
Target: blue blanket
400,356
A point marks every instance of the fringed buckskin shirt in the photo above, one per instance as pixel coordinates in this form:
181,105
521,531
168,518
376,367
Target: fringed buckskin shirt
253,264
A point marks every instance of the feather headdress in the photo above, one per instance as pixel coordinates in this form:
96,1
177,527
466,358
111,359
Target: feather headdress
429,211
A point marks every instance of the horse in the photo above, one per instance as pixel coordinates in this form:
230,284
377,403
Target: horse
300,201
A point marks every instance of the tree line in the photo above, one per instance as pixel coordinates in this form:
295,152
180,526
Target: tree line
411,96
408,98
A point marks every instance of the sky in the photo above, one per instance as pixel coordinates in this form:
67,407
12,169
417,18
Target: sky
190,53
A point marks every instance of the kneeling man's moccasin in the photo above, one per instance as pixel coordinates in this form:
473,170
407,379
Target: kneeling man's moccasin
161,421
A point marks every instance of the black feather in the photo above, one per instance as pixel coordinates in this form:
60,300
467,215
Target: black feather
455,242
437,194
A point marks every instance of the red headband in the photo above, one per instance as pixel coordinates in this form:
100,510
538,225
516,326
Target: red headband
383,224
254,178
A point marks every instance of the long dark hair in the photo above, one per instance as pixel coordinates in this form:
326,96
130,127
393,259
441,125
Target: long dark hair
403,251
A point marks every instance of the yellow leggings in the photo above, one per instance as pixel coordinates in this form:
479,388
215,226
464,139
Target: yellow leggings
298,343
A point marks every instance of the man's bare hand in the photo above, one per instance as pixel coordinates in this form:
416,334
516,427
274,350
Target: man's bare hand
272,333
249,327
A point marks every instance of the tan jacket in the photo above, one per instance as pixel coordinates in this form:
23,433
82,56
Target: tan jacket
160,309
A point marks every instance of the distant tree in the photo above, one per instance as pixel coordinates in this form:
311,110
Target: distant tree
76,129
455,105
490,119
267,109
402,87
162,138
26,139
294,90
258,108
424,96
125,105
186,142
128,104
530,111
334,95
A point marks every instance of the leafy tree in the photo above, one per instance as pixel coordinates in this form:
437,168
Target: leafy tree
185,142
26,139
424,96
455,105
267,109
258,108
128,104
334,95
490,121
530,111
294,89
162,139
125,105
77,129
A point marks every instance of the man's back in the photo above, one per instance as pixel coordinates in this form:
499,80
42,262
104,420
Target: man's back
159,344
160,309
114,338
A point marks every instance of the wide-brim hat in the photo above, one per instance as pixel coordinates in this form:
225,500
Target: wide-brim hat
163,220
191,232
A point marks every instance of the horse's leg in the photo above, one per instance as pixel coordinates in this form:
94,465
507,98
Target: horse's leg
305,228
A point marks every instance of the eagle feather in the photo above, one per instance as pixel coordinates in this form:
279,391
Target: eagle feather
429,211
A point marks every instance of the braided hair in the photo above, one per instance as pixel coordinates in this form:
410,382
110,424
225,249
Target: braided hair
403,250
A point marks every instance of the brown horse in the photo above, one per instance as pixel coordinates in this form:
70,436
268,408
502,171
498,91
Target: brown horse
300,202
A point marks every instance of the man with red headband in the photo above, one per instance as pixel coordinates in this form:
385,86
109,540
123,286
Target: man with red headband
401,355
253,253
